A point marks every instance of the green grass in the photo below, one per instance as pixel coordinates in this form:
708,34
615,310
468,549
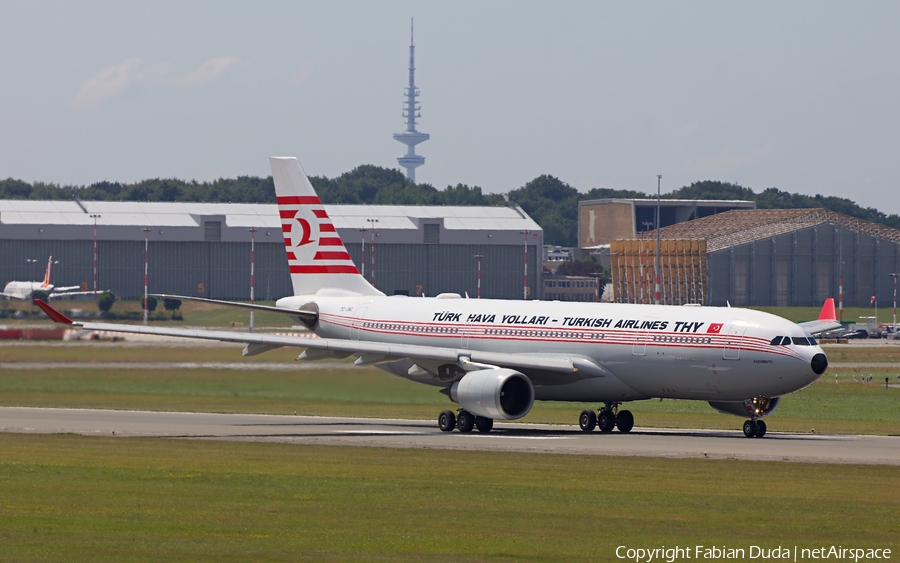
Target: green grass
345,390
72,498
183,351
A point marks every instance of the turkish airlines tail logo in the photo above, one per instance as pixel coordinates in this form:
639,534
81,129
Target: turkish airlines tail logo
714,328
305,222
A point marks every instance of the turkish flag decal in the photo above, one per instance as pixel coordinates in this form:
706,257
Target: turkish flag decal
714,328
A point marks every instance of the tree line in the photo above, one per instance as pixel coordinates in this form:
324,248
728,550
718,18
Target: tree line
552,203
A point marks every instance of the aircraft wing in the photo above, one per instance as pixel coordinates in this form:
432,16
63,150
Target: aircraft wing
563,369
69,289
285,310
827,319
62,292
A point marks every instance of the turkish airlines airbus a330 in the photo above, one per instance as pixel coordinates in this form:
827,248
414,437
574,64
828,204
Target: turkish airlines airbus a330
495,357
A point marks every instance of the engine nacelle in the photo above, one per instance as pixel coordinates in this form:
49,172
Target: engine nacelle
494,393
757,407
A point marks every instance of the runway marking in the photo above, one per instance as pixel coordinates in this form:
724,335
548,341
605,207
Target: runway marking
383,432
525,437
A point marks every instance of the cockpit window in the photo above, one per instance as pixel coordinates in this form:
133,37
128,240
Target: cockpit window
800,341
776,341
812,341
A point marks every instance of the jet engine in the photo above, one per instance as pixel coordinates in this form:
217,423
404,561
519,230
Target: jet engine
497,393
757,407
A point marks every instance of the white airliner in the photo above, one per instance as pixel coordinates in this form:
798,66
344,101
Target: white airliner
24,289
495,358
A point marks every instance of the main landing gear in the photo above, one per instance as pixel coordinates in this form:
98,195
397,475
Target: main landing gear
464,421
755,428
606,419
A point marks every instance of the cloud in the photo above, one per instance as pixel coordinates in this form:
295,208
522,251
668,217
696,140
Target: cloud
726,159
117,79
208,71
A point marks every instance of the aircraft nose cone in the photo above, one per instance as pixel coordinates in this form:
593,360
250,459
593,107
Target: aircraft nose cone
819,363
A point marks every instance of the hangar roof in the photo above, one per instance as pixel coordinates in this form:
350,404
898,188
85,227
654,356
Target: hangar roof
187,222
177,214
745,225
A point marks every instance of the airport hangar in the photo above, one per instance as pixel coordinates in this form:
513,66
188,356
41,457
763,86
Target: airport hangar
762,257
203,249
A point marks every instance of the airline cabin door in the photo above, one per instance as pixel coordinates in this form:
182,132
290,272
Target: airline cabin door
639,346
732,349
464,335
358,320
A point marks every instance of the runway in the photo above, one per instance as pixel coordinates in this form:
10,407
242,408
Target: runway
538,438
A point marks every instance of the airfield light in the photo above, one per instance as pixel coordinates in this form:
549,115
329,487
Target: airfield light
362,260
252,265
525,279
373,221
95,217
146,262
894,320
478,257
656,264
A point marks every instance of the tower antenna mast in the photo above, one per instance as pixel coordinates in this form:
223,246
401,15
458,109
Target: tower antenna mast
411,110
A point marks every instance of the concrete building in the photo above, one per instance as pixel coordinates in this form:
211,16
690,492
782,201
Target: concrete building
203,249
781,257
601,221
571,288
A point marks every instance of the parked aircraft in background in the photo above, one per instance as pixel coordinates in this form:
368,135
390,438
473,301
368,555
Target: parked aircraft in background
24,289
495,358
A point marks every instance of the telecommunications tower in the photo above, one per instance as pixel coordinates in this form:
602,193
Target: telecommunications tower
411,137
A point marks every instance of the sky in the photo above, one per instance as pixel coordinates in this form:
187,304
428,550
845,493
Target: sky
800,95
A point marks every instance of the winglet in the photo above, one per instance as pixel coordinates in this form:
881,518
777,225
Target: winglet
827,313
54,315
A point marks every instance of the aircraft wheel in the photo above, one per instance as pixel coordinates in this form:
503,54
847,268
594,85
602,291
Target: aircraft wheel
750,428
465,421
587,420
484,424
760,428
625,421
446,421
606,420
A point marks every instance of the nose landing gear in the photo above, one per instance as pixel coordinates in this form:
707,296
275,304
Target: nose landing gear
755,428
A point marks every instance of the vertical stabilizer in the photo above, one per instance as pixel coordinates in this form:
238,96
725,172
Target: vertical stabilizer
46,282
316,255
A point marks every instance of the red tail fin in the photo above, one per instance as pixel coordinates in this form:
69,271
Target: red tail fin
46,281
828,313
316,255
